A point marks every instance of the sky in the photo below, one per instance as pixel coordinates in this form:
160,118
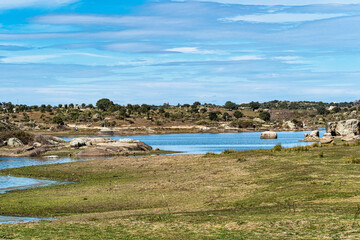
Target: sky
179,51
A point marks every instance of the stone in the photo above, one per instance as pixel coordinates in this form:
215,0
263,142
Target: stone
312,136
37,144
315,133
349,127
78,142
350,138
290,125
326,140
268,135
14,142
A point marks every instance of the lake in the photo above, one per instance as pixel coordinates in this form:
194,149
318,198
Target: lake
202,143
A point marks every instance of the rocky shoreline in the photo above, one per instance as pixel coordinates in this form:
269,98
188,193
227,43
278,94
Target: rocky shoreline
43,145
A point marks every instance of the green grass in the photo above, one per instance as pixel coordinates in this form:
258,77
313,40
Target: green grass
299,193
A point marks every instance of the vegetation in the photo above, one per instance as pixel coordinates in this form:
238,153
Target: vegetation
262,194
164,118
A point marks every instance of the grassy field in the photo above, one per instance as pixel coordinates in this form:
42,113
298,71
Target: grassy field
300,193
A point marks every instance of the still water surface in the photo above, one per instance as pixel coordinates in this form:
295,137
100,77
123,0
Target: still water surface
217,142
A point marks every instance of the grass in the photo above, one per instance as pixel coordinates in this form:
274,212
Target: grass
300,193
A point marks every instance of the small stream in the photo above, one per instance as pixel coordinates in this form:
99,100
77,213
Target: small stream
185,143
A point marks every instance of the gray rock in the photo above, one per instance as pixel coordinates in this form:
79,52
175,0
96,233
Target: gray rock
37,144
315,133
290,125
344,128
78,142
268,135
14,142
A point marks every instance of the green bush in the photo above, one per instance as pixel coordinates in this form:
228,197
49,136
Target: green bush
277,148
229,151
24,137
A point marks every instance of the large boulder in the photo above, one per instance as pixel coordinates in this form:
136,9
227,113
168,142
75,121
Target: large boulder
313,136
14,142
268,135
78,142
289,125
344,128
48,140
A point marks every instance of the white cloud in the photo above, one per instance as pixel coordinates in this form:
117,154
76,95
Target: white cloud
11,4
191,50
281,17
246,58
42,58
283,2
92,19
28,59
286,58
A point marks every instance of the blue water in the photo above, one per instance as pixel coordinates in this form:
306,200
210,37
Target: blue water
184,143
217,142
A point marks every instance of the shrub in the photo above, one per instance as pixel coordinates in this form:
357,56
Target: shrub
277,148
229,151
265,116
24,137
209,154
315,145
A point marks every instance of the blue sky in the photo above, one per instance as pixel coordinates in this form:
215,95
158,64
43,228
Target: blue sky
156,51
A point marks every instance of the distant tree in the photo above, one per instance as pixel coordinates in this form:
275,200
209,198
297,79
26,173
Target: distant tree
196,104
60,106
265,116
83,105
226,116
238,114
58,120
254,105
230,105
213,116
104,104
71,105
48,108
336,110
203,110
90,106
321,110
42,108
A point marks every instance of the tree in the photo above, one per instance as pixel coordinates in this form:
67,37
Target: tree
58,120
321,110
254,105
265,116
104,104
213,116
238,114
230,105
226,116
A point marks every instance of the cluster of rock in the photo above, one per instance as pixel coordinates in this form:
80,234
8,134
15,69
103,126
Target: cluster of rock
89,147
107,147
347,130
344,128
40,145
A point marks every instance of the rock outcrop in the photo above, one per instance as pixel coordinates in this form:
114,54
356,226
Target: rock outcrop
268,135
344,128
314,136
90,147
14,142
